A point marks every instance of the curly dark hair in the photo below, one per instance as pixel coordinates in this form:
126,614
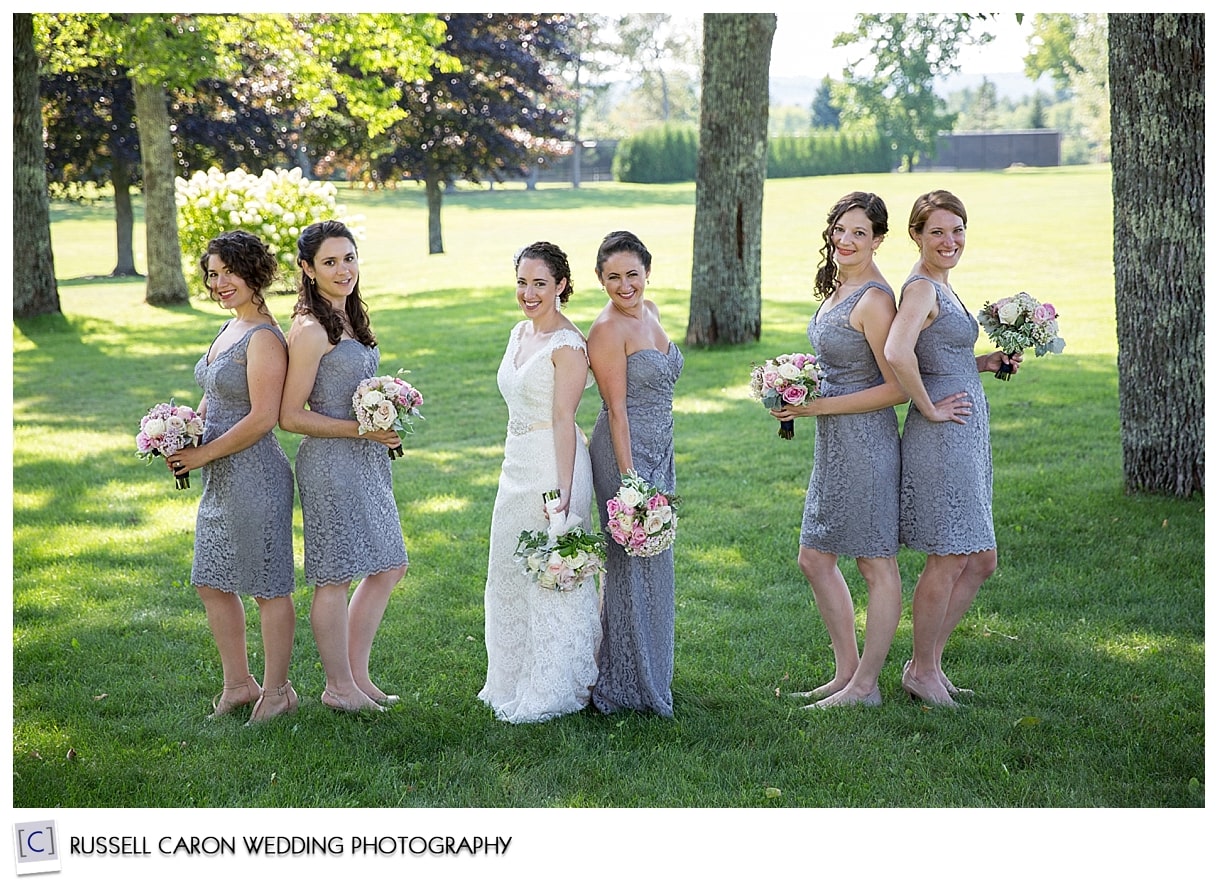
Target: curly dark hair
620,241
554,258
877,212
310,301
247,257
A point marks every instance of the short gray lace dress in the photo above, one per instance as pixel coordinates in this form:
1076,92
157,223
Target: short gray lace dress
243,533
351,525
638,607
851,508
946,468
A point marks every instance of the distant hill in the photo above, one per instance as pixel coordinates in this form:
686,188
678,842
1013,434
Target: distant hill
799,91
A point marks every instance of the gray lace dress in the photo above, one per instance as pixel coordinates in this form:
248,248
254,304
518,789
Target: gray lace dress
638,607
351,525
851,507
946,468
243,533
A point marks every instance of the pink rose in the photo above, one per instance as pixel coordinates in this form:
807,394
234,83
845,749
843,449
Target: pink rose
794,394
613,506
1044,313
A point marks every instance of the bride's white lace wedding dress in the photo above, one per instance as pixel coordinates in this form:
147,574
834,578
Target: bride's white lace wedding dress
540,644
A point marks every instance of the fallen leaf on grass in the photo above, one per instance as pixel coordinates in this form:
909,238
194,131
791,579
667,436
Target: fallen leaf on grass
772,793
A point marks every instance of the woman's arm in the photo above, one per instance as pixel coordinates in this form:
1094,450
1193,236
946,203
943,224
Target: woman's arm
307,343
607,354
570,375
265,366
874,314
918,308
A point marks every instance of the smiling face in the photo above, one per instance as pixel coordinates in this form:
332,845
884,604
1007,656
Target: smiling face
941,240
854,240
335,267
537,292
226,287
625,279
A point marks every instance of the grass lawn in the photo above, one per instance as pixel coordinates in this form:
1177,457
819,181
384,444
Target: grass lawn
1086,648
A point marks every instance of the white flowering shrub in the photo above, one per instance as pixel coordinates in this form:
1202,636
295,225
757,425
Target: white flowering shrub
275,206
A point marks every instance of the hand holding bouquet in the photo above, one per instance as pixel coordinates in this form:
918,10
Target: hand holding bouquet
387,403
562,557
642,518
1019,323
786,379
166,429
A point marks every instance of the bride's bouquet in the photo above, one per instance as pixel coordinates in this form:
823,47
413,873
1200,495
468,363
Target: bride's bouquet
562,557
166,429
1018,323
642,518
792,379
387,403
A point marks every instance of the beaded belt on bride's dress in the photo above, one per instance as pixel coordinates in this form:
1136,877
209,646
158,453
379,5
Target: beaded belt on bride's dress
518,426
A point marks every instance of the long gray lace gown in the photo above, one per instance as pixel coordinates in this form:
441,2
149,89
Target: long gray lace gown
946,468
243,533
851,507
351,525
638,607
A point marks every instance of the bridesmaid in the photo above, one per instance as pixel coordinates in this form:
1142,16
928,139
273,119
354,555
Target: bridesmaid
243,534
351,525
947,472
636,367
851,506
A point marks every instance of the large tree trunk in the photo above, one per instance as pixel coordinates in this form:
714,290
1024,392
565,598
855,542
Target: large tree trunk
166,284
435,197
725,295
1156,70
124,218
34,289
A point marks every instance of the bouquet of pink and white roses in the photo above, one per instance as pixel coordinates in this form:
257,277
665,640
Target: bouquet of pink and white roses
387,403
1018,323
166,429
792,379
564,555
642,518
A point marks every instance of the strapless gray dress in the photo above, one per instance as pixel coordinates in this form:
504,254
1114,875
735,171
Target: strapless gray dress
638,608
243,532
351,524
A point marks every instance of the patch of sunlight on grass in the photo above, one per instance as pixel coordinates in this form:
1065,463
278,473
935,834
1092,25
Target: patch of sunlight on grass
699,404
717,556
1135,646
439,505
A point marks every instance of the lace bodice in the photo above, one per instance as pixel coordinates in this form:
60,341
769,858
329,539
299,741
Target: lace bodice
528,388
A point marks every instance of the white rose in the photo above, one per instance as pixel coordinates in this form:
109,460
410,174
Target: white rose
1009,312
577,560
629,496
176,424
371,399
385,415
154,427
789,371
653,523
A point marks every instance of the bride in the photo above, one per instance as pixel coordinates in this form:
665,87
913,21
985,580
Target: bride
540,644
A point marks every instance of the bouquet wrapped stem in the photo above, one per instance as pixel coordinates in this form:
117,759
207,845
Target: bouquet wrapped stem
387,403
164,430
789,379
1019,323
564,556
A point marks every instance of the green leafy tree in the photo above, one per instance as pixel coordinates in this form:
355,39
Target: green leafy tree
824,114
326,57
891,86
1052,48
